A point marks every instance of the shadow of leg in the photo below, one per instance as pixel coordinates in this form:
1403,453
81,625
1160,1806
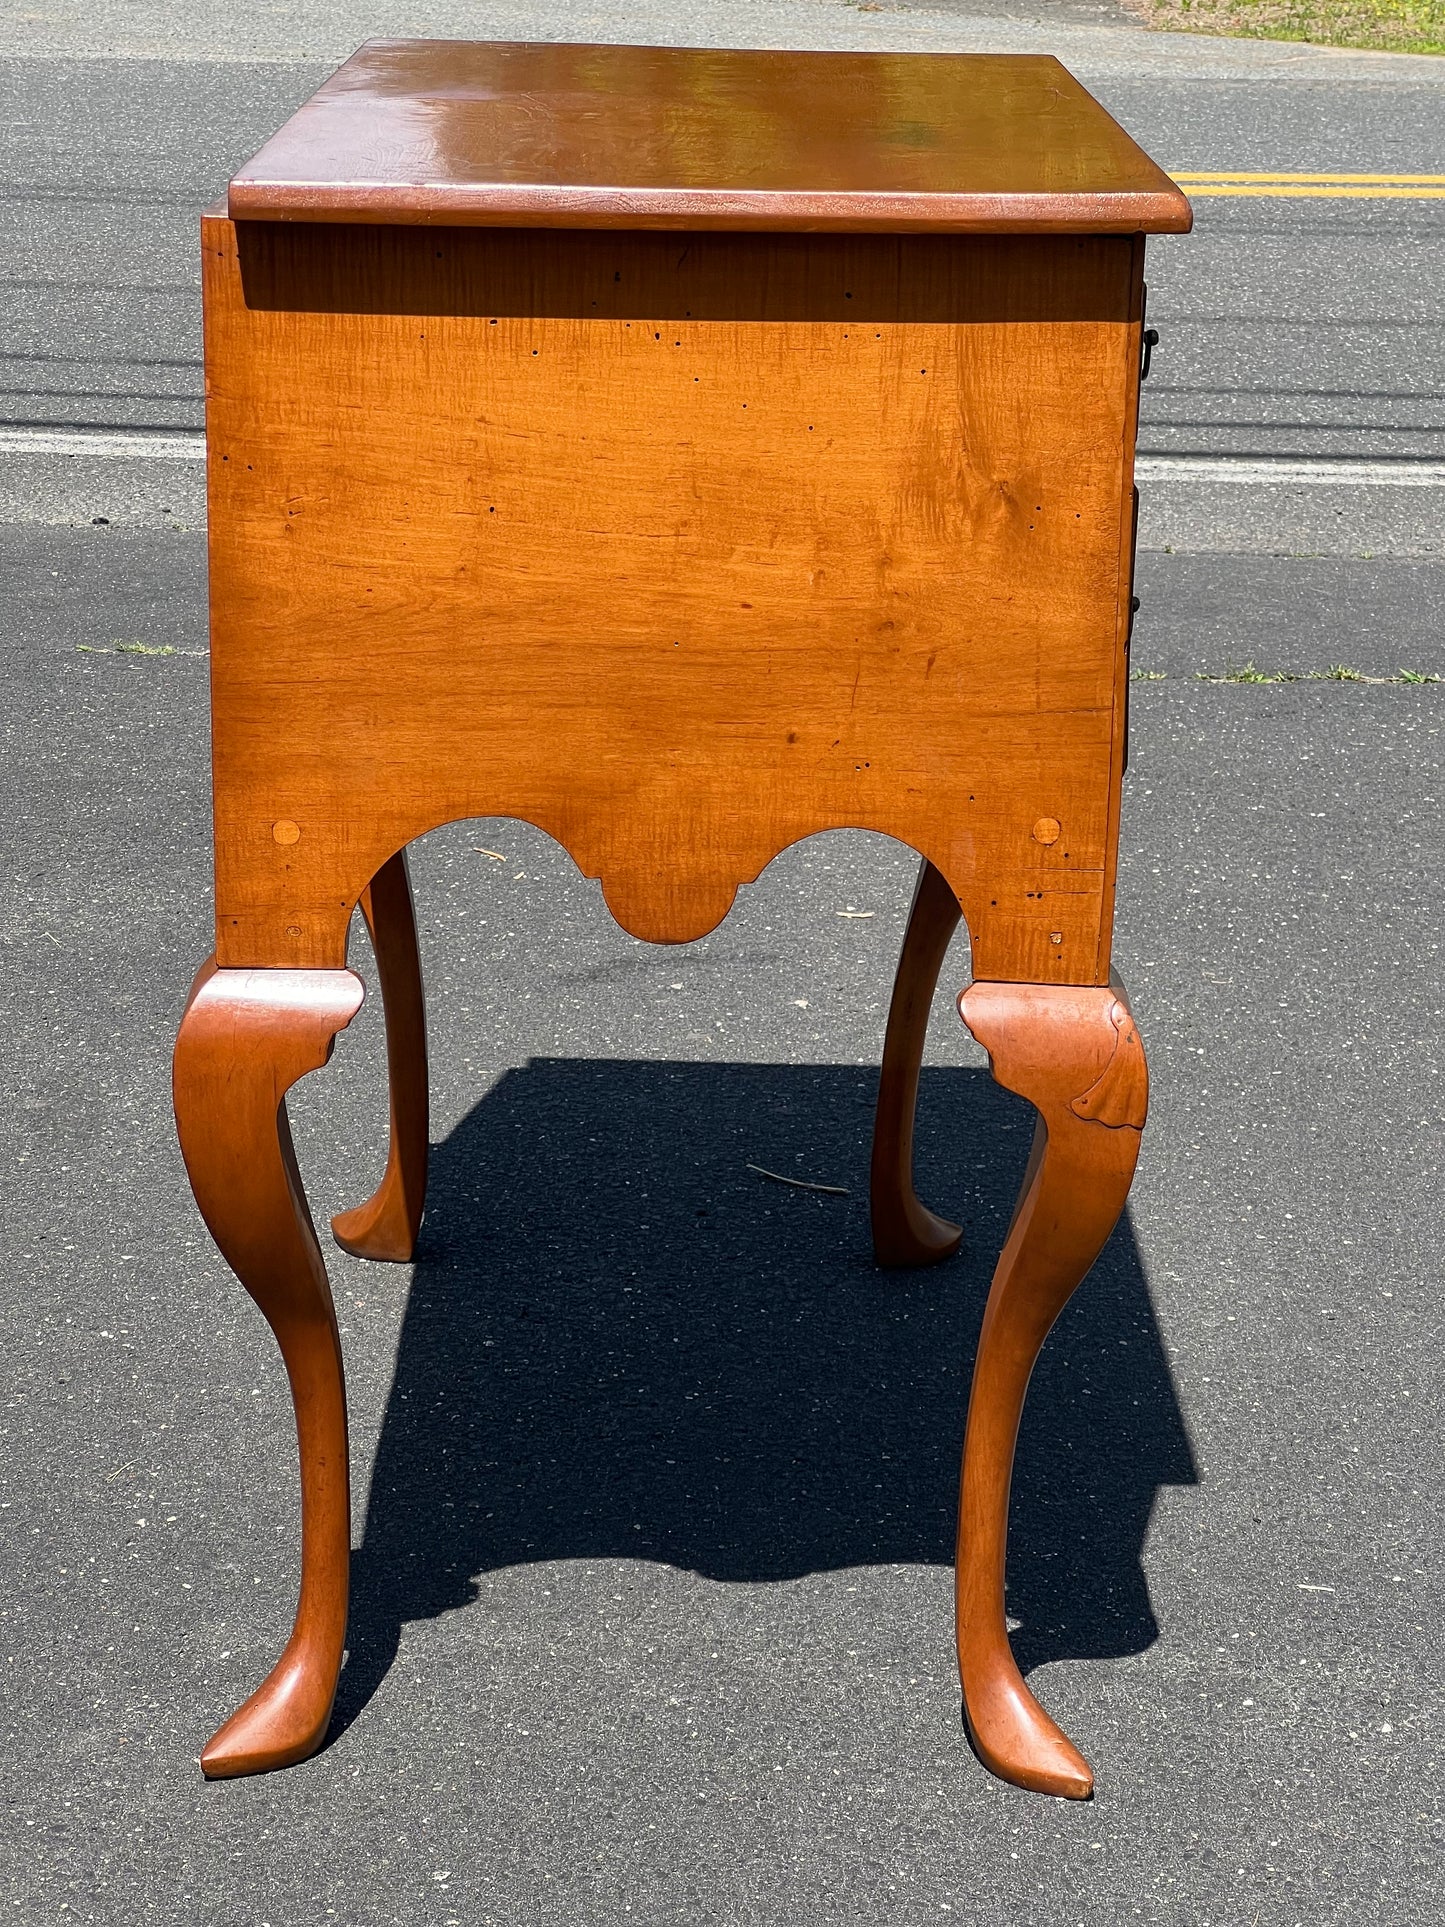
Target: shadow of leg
245,1038
1075,1054
795,1419
906,1232
386,1226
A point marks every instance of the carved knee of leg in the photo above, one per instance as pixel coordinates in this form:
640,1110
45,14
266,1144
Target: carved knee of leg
246,1037
1075,1054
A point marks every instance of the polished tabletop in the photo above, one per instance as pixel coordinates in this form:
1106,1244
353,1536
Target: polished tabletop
506,134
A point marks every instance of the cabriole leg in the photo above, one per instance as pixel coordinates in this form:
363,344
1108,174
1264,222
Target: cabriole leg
1075,1054
906,1232
246,1037
386,1225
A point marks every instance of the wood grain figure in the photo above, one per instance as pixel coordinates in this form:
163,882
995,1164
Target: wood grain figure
764,519
685,452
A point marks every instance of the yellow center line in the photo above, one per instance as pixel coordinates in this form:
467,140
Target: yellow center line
1334,187
1320,193
1333,180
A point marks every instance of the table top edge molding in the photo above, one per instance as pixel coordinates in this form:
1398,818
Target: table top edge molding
379,203
558,134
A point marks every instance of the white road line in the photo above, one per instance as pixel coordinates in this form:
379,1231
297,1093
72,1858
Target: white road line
105,444
188,445
1283,473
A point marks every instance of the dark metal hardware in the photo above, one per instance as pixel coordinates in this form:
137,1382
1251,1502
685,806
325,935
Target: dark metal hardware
1149,337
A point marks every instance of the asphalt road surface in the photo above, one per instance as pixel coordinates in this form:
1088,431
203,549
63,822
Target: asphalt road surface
654,1471
1293,328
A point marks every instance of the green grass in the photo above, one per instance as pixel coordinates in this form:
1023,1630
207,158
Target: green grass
1390,26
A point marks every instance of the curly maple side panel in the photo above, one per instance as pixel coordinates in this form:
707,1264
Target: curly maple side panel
1075,1054
681,548
245,1039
